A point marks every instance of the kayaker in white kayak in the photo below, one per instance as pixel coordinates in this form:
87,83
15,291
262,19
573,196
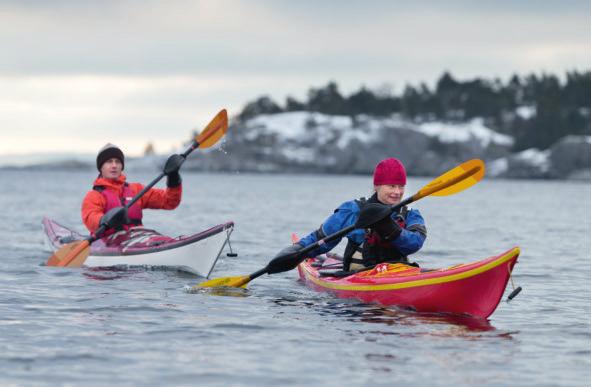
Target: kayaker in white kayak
391,239
111,192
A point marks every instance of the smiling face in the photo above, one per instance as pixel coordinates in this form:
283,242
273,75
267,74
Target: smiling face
112,168
390,194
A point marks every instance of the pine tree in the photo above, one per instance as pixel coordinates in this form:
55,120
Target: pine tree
327,100
263,105
293,105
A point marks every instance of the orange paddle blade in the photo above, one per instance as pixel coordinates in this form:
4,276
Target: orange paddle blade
63,252
71,255
214,130
453,181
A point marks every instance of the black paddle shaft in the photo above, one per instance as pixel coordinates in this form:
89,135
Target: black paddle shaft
288,262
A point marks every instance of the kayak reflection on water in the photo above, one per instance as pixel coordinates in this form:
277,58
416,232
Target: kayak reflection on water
107,273
456,325
393,316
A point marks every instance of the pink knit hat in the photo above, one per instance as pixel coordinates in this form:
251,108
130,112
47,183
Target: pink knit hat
389,171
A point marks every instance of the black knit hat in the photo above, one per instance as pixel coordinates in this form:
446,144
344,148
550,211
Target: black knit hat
108,152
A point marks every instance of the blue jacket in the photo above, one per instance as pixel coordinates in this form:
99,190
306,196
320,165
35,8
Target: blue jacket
410,241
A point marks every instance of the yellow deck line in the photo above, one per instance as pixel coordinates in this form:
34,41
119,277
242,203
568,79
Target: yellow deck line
430,281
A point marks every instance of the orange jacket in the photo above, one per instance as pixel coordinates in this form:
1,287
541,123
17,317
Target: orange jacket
94,203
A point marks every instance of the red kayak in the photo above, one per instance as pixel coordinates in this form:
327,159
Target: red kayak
474,288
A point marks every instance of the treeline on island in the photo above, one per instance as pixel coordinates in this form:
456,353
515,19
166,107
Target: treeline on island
536,110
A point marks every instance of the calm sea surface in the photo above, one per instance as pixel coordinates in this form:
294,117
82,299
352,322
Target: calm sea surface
139,327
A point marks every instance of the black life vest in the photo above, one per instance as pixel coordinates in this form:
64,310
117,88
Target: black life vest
373,250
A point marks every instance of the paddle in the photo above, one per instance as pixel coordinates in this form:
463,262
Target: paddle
74,254
455,180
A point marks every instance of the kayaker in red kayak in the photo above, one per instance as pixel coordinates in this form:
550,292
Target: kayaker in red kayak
104,203
391,239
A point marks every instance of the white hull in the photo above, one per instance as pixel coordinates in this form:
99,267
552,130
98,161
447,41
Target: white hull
195,254
198,257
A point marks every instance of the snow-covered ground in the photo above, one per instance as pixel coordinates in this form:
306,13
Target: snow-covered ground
322,128
532,157
462,132
535,157
316,140
526,112
300,133
497,167
309,126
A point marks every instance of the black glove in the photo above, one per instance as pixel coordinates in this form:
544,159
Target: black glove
115,218
387,228
371,213
171,169
287,259
377,216
173,164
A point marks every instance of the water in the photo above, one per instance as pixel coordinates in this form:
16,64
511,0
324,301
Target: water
138,327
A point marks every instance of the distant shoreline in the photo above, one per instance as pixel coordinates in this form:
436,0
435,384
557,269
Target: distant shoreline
584,178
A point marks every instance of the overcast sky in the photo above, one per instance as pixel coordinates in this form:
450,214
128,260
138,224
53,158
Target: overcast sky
76,74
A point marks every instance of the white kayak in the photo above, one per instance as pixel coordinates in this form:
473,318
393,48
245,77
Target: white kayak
197,253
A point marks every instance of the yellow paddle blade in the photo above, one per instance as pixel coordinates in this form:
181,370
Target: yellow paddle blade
214,130
71,255
233,282
453,181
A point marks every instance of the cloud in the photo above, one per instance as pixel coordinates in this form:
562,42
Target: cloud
80,113
84,72
265,37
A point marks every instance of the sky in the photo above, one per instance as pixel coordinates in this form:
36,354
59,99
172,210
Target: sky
77,74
